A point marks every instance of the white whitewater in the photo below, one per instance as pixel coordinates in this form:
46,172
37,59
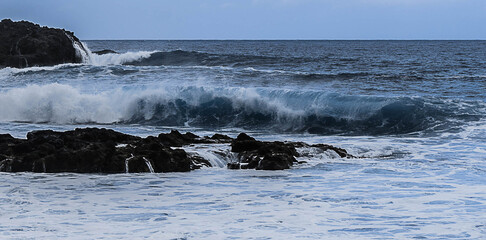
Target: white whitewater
126,162
88,57
418,185
2,165
149,165
81,50
117,58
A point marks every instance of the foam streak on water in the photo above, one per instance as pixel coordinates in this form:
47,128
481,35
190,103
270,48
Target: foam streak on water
353,199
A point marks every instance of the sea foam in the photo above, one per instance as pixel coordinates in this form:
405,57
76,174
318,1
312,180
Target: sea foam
247,108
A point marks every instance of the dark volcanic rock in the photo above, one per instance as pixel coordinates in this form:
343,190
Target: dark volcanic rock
254,154
245,143
263,155
221,138
234,165
162,158
93,150
89,150
276,162
341,152
24,44
177,139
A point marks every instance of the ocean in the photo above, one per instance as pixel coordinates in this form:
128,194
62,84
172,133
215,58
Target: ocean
414,112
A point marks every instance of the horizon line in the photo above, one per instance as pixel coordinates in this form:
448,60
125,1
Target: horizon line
285,39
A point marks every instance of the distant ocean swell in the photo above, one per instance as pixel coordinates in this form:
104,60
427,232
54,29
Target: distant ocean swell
248,108
244,64
180,58
193,58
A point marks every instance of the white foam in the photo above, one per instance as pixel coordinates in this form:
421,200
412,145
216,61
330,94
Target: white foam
345,201
126,162
117,59
61,103
218,155
56,103
109,58
149,165
8,71
87,57
82,51
66,104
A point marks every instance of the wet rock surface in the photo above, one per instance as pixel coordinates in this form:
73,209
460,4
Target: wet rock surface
25,44
94,150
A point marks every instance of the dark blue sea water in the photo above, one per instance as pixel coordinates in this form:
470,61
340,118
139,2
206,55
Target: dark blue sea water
415,111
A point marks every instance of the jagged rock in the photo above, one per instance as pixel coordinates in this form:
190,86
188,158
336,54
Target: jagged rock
276,162
89,150
199,161
245,143
220,138
254,154
5,138
341,152
244,137
234,165
263,155
24,44
176,139
163,158
94,150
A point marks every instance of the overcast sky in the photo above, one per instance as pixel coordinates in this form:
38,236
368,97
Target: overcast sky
257,19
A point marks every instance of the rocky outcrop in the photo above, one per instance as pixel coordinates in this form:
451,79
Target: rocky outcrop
263,155
177,139
25,44
93,150
90,150
253,154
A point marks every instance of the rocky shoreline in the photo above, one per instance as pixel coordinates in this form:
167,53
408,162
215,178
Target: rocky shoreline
95,150
25,44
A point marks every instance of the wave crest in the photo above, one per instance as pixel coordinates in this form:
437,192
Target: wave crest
248,108
118,58
193,58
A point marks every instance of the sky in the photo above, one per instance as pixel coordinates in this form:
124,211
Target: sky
256,19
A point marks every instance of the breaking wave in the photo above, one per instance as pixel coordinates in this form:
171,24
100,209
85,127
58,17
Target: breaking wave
118,58
193,58
184,58
247,108
180,58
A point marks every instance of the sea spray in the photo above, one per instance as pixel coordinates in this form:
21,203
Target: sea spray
422,177
109,58
117,58
248,108
82,52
